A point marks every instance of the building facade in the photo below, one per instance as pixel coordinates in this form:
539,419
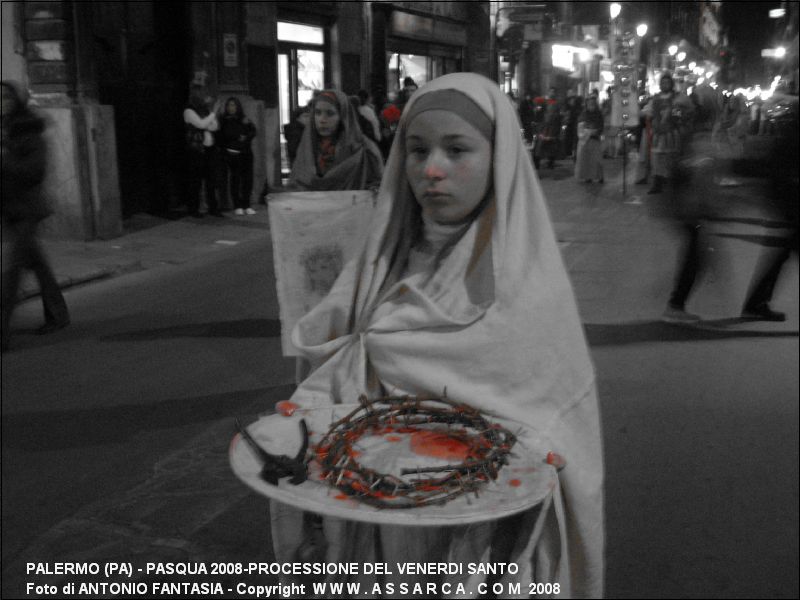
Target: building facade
114,77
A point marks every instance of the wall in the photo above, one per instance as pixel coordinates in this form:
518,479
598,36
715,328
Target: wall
12,48
82,182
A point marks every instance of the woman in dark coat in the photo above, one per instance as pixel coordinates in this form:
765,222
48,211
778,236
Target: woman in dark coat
24,166
234,138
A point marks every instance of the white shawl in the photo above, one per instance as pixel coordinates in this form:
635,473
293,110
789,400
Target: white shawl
496,324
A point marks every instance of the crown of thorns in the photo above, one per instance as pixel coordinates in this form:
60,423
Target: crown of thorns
488,448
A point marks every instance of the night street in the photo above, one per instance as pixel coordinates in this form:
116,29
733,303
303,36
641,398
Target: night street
115,431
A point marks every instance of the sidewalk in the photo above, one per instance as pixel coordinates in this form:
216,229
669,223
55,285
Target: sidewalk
149,242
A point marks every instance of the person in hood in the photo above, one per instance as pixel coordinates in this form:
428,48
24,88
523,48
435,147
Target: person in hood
461,285
334,154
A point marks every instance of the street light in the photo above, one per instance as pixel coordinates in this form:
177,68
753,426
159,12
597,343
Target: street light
672,50
614,10
641,29
681,56
780,52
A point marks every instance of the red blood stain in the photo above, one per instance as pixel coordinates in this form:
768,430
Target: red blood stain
438,445
393,438
286,408
341,496
514,483
556,460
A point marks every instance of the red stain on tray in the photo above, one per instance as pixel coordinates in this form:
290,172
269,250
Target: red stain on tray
286,408
514,482
393,438
341,496
438,445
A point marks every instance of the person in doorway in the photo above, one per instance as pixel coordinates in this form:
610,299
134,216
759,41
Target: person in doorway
461,285
668,115
234,140
589,159
334,154
24,166
201,122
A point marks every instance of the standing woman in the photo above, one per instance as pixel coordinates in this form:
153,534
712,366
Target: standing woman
461,285
24,166
589,162
334,154
202,165
234,138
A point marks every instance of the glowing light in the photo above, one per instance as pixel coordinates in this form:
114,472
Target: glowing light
777,13
563,56
780,52
672,50
700,80
607,76
641,29
681,56
614,10
692,65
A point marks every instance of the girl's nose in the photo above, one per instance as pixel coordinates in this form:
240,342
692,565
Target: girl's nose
433,167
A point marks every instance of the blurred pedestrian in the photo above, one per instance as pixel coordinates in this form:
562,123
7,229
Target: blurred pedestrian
645,140
668,115
573,108
690,193
363,123
549,135
24,205
234,140
200,117
334,154
783,166
589,156
367,110
526,117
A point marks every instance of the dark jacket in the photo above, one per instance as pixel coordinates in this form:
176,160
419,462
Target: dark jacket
235,133
24,166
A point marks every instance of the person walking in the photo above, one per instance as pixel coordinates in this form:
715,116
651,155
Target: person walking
783,162
367,110
202,161
234,140
24,166
589,156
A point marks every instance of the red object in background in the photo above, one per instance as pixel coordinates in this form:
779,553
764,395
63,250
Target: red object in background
391,113
286,408
539,100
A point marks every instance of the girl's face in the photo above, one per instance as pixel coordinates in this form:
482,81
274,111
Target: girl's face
230,107
448,165
326,118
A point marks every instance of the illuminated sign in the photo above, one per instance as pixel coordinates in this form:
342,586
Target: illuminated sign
564,56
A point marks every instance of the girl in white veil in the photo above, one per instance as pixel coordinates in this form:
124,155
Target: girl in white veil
461,286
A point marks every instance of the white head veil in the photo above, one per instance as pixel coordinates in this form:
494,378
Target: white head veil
496,324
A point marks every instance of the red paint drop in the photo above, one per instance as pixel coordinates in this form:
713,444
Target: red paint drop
438,445
556,460
286,408
341,496
514,483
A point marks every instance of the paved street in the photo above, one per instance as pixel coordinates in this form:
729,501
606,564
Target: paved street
115,430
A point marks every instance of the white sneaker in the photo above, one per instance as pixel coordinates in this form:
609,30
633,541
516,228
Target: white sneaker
249,211
239,212
676,315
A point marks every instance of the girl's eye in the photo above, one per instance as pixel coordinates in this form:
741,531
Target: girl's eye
456,150
417,150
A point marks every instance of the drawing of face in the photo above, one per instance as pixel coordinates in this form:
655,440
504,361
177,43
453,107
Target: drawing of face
326,117
448,165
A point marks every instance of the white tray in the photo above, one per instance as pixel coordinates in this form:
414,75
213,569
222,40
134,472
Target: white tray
521,484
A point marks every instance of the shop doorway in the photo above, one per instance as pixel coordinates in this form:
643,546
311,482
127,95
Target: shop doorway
301,72
143,63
